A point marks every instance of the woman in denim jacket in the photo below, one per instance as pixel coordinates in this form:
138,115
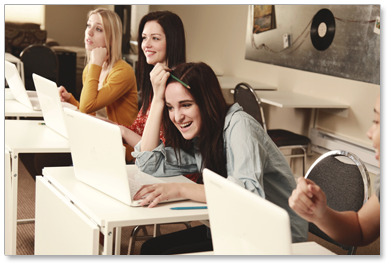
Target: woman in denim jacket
203,131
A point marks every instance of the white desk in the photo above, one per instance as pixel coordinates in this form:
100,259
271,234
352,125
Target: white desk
230,82
303,249
13,108
290,99
24,136
7,204
70,214
296,100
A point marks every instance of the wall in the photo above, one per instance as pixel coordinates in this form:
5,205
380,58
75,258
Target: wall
66,23
216,34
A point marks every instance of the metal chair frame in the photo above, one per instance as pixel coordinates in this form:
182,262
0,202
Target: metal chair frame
156,232
362,169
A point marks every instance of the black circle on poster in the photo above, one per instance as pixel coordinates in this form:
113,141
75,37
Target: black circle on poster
322,29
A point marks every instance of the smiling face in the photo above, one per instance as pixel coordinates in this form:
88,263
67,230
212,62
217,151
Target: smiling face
154,43
94,33
183,111
374,133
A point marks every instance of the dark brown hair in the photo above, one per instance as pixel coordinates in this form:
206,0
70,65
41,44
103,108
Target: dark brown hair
207,94
175,53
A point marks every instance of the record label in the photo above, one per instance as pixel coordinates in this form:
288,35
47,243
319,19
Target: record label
322,29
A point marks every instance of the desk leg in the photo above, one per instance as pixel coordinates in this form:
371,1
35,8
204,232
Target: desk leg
108,239
313,118
14,201
118,237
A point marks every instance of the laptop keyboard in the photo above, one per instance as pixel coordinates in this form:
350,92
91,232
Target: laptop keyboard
35,103
134,186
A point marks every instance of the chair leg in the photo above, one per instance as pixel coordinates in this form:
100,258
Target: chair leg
133,237
188,225
352,251
156,231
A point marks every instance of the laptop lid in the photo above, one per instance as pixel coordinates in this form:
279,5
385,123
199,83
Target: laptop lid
16,85
52,108
98,155
243,223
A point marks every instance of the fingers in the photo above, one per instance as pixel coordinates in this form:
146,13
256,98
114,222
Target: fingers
160,73
145,189
64,95
301,199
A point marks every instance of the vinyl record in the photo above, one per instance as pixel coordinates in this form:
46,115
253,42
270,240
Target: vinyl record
322,29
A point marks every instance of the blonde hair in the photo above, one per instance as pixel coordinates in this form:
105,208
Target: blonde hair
112,27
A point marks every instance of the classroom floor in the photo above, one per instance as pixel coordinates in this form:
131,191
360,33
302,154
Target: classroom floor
26,210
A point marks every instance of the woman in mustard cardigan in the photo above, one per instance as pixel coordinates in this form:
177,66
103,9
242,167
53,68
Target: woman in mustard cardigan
109,84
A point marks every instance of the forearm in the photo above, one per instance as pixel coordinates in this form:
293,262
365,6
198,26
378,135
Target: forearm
343,227
353,228
129,136
193,191
151,135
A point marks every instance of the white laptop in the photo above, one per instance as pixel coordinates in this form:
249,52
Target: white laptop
19,92
51,105
243,223
98,157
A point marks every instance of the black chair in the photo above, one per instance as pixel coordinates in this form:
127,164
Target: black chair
156,232
39,59
345,184
286,140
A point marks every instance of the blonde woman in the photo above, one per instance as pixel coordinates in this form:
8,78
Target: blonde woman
109,84
110,88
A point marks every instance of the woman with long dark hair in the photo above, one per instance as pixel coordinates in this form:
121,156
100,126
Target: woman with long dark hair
161,39
202,131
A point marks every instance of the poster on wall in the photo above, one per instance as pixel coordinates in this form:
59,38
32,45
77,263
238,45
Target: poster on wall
337,40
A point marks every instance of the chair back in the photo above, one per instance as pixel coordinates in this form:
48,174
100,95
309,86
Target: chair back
345,186
39,59
250,102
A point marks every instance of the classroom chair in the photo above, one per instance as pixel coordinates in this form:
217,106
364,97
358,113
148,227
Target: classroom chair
345,184
156,232
39,59
245,95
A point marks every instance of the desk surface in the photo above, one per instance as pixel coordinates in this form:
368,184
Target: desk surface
296,100
13,108
230,82
27,136
304,248
104,209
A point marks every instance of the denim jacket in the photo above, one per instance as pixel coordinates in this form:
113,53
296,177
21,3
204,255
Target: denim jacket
253,162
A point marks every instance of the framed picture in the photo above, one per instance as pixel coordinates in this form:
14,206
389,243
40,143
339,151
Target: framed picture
263,18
